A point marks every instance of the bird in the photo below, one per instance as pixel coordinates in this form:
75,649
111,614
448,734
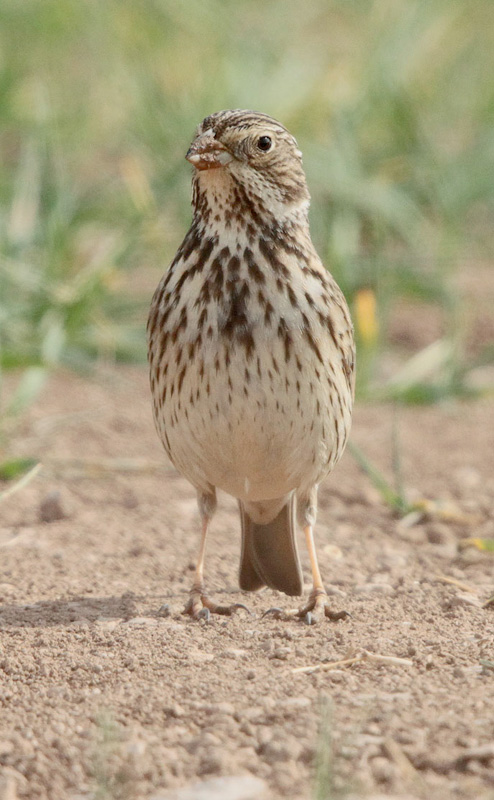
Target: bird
252,356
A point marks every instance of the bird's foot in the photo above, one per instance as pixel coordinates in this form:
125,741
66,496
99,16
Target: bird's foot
315,610
199,606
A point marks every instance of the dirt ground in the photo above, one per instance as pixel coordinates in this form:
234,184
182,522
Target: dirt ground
103,696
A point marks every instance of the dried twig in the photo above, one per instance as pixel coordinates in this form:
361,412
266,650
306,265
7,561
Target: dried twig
346,662
392,660
365,655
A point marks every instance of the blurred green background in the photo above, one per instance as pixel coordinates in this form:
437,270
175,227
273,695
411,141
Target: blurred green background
392,102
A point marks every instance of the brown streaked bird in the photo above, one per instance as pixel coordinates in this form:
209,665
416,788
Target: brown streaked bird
252,354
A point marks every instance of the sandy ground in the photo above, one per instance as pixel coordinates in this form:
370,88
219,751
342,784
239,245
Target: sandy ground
101,696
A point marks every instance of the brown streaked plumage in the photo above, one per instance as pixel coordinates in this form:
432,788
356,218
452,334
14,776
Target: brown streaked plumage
251,352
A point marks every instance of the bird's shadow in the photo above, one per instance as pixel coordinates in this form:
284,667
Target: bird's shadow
78,608
53,613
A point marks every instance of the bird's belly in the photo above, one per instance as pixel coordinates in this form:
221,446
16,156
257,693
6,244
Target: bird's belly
256,429
248,447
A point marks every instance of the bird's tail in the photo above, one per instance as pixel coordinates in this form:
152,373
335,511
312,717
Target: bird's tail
269,552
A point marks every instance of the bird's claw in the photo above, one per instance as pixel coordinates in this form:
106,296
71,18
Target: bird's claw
318,608
228,611
315,609
280,614
276,613
236,606
334,616
199,606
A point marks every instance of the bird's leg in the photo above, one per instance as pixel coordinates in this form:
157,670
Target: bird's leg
199,606
195,605
317,606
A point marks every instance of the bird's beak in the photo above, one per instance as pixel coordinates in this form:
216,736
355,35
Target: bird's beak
206,152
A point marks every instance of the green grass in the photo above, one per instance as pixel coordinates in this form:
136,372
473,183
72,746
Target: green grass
392,103
324,788
328,783
111,771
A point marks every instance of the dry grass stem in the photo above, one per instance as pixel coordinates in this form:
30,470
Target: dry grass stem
399,757
365,655
453,582
446,512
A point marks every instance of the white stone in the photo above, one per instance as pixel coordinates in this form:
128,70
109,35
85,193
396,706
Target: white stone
241,787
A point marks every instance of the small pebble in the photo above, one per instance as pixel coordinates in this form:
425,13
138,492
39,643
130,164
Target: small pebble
175,711
223,709
234,653
439,533
382,769
198,657
51,508
333,551
136,748
275,750
211,762
467,477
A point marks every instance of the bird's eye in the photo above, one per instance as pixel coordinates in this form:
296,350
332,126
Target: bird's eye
264,143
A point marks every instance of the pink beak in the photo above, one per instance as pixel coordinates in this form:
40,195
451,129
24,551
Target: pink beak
206,152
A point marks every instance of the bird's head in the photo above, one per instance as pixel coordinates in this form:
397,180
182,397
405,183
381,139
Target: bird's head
254,158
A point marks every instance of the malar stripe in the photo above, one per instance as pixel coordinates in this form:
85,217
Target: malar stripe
246,202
